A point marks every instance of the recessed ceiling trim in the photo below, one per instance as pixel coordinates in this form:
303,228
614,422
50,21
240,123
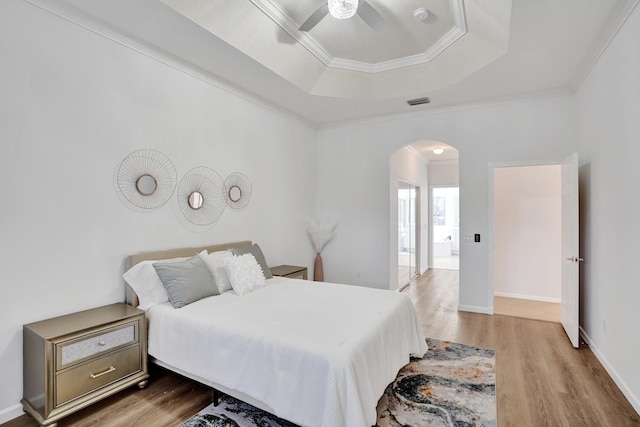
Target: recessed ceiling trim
103,29
282,20
436,49
276,46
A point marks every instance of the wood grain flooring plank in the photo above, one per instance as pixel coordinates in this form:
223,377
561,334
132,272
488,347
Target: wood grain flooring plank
541,379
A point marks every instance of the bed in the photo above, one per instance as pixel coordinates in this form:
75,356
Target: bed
315,354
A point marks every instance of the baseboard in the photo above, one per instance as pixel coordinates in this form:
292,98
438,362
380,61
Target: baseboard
474,309
10,413
527,297
632,398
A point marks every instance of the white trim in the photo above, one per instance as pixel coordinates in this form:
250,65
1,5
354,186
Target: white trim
491,245
605,37
459,29
82,20
475,309
491,211
418,226
8,414
527,297
622,385
521,163
281,19
432,109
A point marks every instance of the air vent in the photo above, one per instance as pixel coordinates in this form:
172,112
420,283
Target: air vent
418,101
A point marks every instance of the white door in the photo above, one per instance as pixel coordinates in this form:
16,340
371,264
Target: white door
570,247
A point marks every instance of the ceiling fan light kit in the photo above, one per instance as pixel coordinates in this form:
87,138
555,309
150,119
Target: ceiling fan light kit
343,9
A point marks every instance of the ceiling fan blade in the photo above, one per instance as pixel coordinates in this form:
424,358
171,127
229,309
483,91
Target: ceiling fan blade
315,17
371,16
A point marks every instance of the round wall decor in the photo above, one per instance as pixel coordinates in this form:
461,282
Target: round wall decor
238,188
146,178
201,196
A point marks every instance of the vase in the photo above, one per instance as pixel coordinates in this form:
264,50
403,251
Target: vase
318,274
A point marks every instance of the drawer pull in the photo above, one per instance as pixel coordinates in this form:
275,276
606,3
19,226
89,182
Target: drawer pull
99,374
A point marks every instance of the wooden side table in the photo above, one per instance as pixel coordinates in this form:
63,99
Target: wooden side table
75,360
291,271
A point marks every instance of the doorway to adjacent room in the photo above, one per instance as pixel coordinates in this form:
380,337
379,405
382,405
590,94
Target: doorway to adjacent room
445,207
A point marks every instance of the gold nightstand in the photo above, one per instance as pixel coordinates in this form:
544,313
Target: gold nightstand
73,361
291,271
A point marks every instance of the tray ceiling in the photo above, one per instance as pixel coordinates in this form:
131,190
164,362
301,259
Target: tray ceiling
546,48
348,59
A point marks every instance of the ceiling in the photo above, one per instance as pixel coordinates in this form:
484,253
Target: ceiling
345,58
508,49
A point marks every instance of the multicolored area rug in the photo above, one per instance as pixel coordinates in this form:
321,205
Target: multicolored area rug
453,385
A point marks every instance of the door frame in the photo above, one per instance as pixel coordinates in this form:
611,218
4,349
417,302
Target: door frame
417,231
430,217
491,226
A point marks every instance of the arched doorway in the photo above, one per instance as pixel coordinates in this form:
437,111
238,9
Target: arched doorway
415,166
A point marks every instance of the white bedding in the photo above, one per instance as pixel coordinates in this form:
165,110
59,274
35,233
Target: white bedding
317,354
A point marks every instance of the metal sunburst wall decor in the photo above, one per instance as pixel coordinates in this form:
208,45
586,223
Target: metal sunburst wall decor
238,188
146,178
201,196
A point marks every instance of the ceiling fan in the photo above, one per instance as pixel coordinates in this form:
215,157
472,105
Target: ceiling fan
343,9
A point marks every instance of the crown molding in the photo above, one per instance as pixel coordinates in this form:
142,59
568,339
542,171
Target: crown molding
269,8
80,19
283,21
431,110
600,45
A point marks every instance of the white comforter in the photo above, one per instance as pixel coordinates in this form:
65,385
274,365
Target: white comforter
318,354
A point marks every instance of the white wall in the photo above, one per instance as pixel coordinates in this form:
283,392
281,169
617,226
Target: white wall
608,112
359,155
73,105
410,166
444,173
528,232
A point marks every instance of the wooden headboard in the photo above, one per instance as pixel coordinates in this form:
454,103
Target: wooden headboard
131,260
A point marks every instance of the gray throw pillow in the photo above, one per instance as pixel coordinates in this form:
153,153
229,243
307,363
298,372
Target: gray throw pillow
186,281
256,252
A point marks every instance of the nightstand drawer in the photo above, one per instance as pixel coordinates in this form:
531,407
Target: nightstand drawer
77,381
77,350
72,361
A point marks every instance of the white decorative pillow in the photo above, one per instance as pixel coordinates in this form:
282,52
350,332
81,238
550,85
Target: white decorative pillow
145,282
215,264
244,273
257,253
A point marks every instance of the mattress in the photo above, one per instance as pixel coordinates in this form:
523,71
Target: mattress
316,354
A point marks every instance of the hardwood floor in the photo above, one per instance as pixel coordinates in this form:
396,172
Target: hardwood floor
541,380
528,309
168,400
